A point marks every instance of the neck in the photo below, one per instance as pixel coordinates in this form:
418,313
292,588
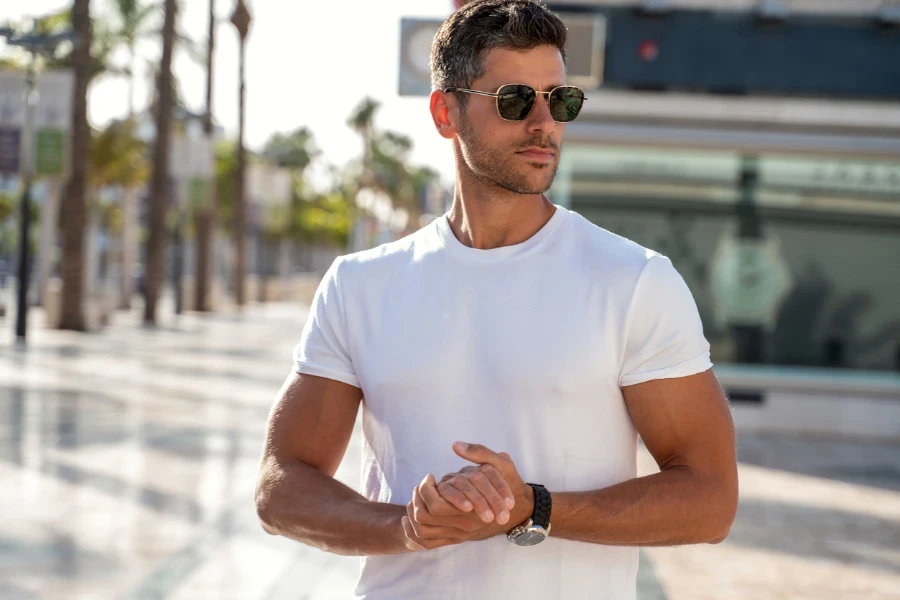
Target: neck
486,217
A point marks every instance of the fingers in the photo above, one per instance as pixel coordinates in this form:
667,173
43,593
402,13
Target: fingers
494,499
455,525
411,539
427,536
499,484
466,484
437,504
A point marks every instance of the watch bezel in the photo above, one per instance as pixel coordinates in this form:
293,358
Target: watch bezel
516,534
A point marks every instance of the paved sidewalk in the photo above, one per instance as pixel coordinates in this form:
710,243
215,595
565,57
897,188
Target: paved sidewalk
128,459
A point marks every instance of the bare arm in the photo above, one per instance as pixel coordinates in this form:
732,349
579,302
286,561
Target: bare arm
687,427
297,496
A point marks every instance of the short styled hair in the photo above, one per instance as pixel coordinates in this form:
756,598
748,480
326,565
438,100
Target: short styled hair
463,41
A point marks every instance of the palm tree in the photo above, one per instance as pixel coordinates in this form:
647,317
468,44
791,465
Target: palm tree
386,162
73,204
156,243
362,121
295,150
119,158
204,219
133,19
241,20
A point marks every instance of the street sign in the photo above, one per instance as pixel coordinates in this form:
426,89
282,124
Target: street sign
50,145
198,192
52,120
10,150
416,36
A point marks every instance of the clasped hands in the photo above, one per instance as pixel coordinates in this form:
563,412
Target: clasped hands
475,503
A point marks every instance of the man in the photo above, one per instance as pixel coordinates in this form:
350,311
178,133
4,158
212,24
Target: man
516,335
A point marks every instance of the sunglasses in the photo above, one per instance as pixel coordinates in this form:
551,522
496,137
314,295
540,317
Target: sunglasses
515,101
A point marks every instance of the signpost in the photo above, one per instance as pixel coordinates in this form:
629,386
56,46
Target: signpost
191,167
34,43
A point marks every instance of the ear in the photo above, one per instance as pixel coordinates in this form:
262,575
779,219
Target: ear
444,112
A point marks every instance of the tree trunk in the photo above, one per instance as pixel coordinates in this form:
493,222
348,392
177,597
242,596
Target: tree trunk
73,205
159,184
130,244
240,208
205,221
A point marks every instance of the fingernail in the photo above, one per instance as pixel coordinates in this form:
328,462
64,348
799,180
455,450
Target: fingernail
504,517
488,516
467,507
462,446
510,503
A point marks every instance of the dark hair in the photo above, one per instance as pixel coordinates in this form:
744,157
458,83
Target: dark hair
463,41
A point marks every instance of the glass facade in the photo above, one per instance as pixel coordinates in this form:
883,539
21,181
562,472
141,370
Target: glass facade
792,260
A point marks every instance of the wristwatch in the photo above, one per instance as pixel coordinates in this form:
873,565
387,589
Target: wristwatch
536,529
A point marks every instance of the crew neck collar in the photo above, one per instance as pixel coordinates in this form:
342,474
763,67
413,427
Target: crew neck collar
457,248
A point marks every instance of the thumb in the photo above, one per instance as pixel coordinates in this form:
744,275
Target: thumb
476,453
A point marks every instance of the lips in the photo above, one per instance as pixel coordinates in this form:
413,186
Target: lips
536,154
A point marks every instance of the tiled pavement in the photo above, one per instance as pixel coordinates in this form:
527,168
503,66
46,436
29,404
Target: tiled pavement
128,460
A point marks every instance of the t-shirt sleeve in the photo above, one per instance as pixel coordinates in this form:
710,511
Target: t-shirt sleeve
323,348
663,333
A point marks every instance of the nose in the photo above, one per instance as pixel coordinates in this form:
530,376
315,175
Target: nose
540,119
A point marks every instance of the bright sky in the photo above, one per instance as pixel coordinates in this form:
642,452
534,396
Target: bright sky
308,64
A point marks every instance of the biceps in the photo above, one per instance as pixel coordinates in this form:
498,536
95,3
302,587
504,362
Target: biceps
311,421
684,421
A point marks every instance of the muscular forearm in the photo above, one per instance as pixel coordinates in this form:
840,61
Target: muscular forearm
676,506
300,502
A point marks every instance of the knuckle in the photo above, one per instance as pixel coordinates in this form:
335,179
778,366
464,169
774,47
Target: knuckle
469,525
477,477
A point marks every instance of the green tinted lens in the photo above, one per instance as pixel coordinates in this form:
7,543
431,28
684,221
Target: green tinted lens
565,103
514,102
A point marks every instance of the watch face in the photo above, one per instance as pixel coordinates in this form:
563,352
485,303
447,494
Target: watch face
531,536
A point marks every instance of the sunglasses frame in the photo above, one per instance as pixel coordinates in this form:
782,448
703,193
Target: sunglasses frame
496,95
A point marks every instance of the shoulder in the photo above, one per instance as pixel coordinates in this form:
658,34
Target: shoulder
386,258
615,257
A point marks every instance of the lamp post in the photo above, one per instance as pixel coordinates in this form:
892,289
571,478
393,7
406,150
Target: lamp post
240,18
35,44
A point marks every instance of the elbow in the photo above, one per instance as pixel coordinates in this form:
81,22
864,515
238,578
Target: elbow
721,537
266,522
724,519
264,511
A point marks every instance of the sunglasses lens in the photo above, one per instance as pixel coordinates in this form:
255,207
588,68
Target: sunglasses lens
514,102
565,103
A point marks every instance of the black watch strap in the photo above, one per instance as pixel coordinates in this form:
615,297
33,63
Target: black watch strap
542,506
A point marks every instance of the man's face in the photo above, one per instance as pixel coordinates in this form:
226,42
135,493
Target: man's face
496,150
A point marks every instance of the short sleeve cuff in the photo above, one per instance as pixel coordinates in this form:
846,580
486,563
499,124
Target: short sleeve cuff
310,369
698,364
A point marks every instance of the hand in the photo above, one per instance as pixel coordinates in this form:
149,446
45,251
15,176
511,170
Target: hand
456,509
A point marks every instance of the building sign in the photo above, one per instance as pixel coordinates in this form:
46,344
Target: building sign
50,146
10,149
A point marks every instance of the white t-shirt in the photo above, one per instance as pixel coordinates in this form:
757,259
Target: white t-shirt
522,348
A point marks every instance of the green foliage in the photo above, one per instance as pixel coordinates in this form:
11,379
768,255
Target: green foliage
326,219
226,189
6,208
295,150
385,164
118,156
103,43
